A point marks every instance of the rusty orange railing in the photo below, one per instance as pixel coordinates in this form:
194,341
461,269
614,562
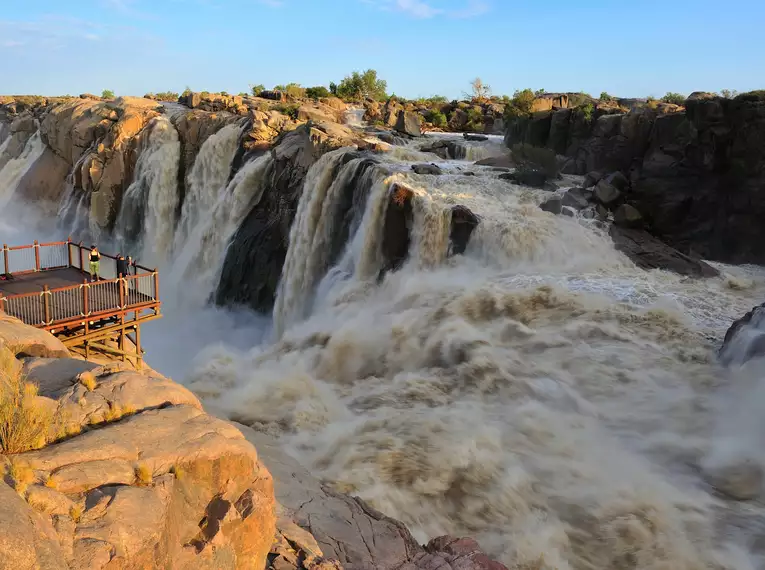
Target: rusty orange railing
70,305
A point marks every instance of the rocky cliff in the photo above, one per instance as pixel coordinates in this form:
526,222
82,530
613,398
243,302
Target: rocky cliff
696,174
134,474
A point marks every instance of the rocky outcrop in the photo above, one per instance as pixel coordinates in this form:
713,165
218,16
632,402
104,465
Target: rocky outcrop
694,174
408,123
138,476
745,339
253,263
214,102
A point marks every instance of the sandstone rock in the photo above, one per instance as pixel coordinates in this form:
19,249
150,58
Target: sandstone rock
27,540
217,479
391,112
24,340
628,216
408,123
426,169
577,198
44,182
648,252
552,205
317,113
607,195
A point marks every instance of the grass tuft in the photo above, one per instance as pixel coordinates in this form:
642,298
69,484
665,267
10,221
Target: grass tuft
143,475
75,512
24,423
21,474
88,380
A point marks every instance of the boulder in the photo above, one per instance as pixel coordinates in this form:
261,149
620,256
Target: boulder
618,181
408,123
628,216
577,198
527,177
607,195
552,205
591,179
426,169
745,339
647,252
463,223
504,161
23,340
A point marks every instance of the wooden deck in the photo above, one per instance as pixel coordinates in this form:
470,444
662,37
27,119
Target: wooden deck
44,286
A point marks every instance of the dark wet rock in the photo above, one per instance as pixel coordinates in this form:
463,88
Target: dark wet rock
396,229
592,178
647,252
475,138
568,211
427,169
745,339
552,205
464,221
527,177
607,194
504,161
618,181
628,216
577,198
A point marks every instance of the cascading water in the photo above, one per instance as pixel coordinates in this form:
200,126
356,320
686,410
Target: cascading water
539,393
146,222
15,168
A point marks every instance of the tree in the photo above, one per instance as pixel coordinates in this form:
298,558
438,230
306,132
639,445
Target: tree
358,86
606,97
257,89
674,98
521,104
729,94
294,90
333,87
539,92
481,91
107,94
317,92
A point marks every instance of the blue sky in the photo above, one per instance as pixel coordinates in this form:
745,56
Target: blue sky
421,47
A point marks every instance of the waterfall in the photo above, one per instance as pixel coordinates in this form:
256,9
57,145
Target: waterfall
209,174
196,267
15,169
146,220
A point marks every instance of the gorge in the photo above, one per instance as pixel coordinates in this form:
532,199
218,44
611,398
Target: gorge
406,322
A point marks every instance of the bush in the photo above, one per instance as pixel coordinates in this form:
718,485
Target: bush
579,99
317,92
24,423
521,104
674,98
437,119
290,110
587,111
359,86
475,120
107,94
294,90
728,93
606,97
257,89
529,157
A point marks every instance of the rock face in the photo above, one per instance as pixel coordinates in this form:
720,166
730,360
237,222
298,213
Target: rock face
745,339
143,477
408,123
647,252
696,176
253,263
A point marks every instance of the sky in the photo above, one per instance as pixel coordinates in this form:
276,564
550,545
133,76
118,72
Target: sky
420,47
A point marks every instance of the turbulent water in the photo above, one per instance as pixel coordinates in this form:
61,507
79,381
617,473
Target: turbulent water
539,393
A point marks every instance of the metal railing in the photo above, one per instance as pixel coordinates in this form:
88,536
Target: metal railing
77,302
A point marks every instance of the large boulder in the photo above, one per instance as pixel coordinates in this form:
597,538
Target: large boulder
745,339
408,123
647,252
23,340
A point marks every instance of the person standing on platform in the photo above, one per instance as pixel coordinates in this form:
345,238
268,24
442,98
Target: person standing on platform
95,262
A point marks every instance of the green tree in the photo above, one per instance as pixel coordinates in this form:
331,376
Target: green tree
539,92
521,104
358,86
107,94
257,89
333,87
317,92
674,98
437,118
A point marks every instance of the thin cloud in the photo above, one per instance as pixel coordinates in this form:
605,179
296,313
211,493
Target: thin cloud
425,9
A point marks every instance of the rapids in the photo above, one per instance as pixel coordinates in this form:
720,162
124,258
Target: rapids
539,393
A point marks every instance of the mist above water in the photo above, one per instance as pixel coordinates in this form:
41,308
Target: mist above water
539,393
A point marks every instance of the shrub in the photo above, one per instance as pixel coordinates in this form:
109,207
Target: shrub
224,93
24,423
437,119
257,89
88,380
579,99
475,120
107,94
674,98
317,92
359,86
529,157
167,96
186,91
521,104
606,97
143,475
204,94
728,93
21,474
587,111
290,110
178,471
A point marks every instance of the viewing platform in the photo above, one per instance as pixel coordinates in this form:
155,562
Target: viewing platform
47,285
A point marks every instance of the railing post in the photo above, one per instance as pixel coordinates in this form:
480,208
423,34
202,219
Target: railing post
122,284
156,284
85,299
46,304
5,257
69,250
37,255
2,304
82,258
